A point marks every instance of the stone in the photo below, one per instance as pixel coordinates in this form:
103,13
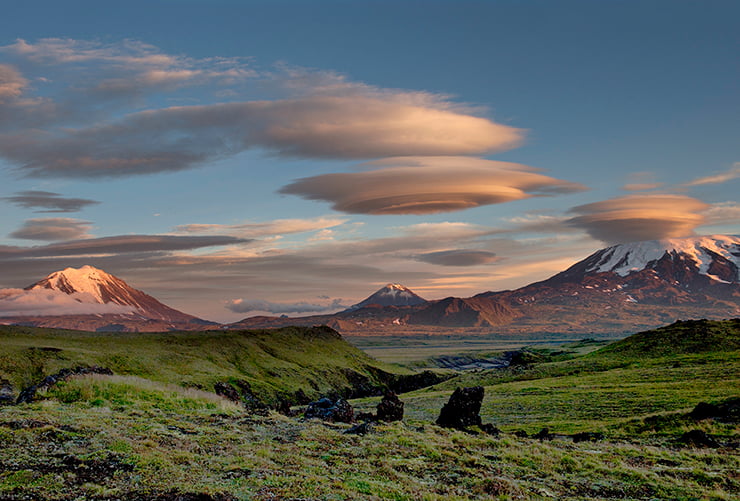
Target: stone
227,391
361,429
339,411
698,438
7,393
390,408
462,409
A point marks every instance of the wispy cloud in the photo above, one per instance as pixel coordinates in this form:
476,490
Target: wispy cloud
45,302
722,177
55,228
426,185
273,228
251,305
458,257
640,217
119,245
49,201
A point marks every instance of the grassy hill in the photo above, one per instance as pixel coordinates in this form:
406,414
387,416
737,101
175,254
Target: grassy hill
141,435
275,365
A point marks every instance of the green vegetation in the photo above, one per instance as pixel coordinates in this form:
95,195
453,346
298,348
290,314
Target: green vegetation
276,364
143,434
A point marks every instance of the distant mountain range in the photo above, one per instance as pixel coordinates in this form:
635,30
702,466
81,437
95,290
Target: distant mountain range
622,288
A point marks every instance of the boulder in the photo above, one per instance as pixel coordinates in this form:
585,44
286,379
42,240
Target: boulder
338,411
390,408
463,408
698,438
7,393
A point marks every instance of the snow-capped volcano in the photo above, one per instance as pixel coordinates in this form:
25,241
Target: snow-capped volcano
717,257
391,295
91,285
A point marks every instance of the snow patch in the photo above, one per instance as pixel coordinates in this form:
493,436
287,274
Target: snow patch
624,259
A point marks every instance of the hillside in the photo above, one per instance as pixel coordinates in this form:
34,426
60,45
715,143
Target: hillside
128,438
291,364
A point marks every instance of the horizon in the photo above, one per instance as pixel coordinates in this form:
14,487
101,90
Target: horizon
295,155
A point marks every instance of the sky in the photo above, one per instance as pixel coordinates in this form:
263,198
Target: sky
235,158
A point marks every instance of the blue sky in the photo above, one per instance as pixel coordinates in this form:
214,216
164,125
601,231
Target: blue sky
220,153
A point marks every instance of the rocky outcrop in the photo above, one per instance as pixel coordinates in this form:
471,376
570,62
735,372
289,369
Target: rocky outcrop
463,408
28,394
339,411
390,408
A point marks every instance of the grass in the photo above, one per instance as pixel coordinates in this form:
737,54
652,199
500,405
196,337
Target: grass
135,437
276,364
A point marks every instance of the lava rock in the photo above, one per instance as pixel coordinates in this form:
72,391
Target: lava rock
227,391
390,408
463,408
698,438
7,393
587,436
727,411
543,434
338,411
361,429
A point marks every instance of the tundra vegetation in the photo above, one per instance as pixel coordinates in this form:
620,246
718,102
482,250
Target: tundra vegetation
622,420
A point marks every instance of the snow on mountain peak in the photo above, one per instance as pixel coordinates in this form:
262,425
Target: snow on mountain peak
624,259
87,280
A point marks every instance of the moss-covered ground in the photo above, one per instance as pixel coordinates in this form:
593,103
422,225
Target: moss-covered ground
134,437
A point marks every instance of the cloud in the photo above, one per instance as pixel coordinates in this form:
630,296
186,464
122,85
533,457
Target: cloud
12,83
458,257
269,228
45,302
640,217
722,213
177,138
722,177
119,245
52,202
56,228
318,115
127,67
247,305
426,185
641,186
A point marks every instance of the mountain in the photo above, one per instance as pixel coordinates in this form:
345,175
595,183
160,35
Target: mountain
128,309
390,295
634,285
622,288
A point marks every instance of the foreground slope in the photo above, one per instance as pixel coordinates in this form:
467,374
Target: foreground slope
290,364
125,438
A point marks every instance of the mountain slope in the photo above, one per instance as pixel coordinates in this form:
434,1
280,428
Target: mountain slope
619,289
89,285
390,295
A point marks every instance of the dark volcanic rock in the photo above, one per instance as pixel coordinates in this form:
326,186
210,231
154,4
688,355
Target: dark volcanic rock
390,408
698,438
587,436
7,393
727,411
338,411
361,429
28,394
463,408
227,391
543,434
